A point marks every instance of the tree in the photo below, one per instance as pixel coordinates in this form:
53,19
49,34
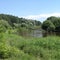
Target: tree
38,23
48,25
55,21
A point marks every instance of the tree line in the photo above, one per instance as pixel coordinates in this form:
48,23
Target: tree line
26,25
18,24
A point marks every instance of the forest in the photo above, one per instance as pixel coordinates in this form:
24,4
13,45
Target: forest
16,44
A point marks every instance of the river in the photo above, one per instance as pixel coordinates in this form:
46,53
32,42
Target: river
39,33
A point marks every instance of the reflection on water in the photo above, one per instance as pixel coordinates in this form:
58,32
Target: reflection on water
51,34
36,33
39,33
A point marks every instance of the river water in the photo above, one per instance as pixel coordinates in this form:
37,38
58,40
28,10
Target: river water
36,33
39,33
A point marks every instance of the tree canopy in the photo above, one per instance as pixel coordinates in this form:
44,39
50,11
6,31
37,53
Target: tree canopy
53,23
14,19
16,23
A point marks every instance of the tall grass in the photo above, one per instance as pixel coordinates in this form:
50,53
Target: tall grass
47,48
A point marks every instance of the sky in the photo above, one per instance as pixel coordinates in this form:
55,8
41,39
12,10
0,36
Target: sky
31,9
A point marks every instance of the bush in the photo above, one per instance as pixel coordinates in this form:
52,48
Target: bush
4,25
7,51
4,50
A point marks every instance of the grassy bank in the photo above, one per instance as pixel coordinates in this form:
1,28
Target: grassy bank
14,47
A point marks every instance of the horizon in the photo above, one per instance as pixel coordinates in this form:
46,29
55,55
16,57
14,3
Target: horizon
36,10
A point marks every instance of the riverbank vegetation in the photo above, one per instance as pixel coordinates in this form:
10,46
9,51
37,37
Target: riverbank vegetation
14,45
20,26
51,24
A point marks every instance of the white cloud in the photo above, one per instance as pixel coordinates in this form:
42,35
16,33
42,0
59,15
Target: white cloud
41,17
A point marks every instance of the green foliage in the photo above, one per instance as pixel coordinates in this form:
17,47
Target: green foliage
21,26
13,19
38,23
22,31
55,21
18,48
48,25
34,48
9,48
4,50
4,26
15,47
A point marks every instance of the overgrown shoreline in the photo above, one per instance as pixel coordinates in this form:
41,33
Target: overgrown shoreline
19,48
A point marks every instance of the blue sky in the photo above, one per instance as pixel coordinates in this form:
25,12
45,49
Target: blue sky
32,9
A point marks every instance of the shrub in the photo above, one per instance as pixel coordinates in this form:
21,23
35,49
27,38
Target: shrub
4,50
7,51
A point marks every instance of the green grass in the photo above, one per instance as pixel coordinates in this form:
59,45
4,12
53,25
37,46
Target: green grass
47,48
